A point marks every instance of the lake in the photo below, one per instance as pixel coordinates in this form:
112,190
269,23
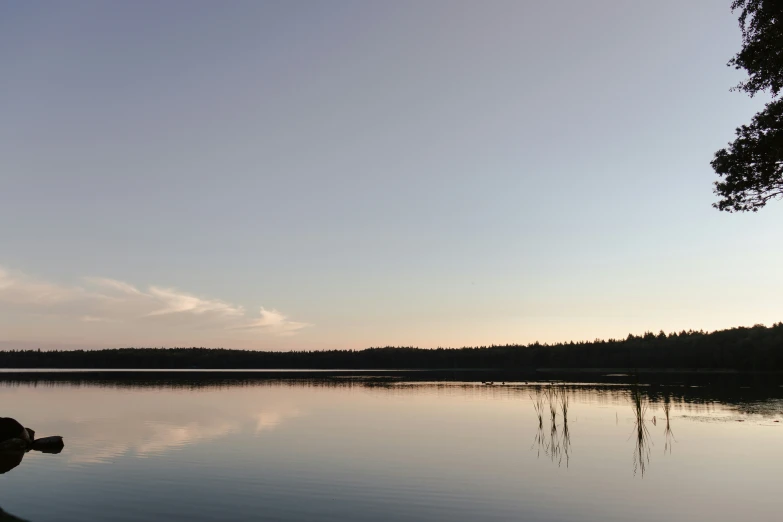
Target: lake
394,446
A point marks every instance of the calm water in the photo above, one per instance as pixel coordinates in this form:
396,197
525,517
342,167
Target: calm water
355,448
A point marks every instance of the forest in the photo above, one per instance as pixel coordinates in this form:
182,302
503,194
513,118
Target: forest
757,348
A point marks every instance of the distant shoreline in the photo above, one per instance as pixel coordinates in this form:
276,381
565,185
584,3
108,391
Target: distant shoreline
755,349
608,372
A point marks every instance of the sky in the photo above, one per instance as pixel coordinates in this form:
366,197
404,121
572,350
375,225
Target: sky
344,174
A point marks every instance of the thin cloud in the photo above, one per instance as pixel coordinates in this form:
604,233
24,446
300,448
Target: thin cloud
114,284
175,302
274,321
104,300
17,288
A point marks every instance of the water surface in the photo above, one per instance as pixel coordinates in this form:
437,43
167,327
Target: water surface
355,447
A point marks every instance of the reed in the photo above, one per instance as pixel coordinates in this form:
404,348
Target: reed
538,406
552,396
563,395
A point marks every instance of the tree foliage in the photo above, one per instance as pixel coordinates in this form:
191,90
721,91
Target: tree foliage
762,45
751,167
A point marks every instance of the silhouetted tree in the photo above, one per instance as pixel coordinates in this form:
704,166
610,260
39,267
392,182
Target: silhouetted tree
756,348
751,167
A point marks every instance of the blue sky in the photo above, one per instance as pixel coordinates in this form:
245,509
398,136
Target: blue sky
283,175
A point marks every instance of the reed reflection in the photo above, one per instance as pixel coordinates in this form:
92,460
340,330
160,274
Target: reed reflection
557,445
668,434
641,455
566,440
553,437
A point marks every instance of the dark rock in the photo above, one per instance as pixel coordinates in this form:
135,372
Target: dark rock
49,444
13,445
9,460
11,429
30,434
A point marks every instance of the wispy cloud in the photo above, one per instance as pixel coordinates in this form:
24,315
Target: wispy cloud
175,302
274,321
17,288
114,285
103,300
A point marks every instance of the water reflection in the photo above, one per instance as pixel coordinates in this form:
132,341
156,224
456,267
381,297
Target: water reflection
10,459
557,446
348,447
667,432
641,455
555,442
203,408
8,517
538,406
746,393
105,439
566,440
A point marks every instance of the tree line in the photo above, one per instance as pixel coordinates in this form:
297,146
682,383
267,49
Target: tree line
757,348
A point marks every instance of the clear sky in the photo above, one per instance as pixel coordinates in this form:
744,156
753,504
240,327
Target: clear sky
335,174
